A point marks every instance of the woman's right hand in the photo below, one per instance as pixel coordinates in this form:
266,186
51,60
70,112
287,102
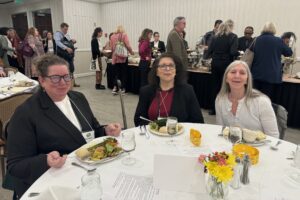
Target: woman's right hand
55,160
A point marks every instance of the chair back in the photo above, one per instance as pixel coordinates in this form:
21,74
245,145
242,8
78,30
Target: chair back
281,116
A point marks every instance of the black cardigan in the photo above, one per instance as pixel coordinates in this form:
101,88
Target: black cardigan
185,105
95,49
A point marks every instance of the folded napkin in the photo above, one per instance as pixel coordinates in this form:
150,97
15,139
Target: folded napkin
59,193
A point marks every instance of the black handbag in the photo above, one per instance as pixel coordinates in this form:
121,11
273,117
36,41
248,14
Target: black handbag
64,53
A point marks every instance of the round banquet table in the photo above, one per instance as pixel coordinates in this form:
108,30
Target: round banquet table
269,179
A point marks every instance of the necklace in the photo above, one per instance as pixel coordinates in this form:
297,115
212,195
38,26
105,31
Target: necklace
163,103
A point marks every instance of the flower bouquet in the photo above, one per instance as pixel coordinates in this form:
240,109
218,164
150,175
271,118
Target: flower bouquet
220,166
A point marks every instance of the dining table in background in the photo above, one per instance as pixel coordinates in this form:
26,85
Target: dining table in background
270,178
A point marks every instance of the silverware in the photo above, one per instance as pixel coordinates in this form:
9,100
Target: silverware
146,132
275,147
87,169
141,131
221,134
33,194
143,118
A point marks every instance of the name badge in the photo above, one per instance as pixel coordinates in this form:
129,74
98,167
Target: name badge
88,136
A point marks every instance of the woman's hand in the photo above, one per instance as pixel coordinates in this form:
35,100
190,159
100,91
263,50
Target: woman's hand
113,129
55,160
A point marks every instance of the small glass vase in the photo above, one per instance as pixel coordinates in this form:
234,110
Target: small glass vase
216,190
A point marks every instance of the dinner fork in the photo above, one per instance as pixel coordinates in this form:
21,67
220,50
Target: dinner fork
87,169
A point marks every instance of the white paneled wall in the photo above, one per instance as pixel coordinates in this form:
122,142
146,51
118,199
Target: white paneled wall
158,15
4,18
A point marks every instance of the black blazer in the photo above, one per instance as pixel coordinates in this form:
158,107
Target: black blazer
95,49
39,127
185,105
244,43
161,46
46,46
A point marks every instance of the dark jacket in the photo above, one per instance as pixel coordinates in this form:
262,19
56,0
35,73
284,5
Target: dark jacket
185,105
95,49
224,47
39,127
244,43
46,46
266,64
161,46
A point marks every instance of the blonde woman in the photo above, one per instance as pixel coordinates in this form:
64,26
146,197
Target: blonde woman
239,104
223,49
34,40
119,63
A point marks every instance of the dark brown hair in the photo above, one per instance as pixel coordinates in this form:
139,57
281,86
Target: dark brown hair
144,35
180,77
44,62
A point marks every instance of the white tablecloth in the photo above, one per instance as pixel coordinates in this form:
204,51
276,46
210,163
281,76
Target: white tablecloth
269,179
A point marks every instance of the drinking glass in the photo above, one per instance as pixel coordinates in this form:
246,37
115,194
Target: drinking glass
91,188
11,76
128,144
172,127
235,134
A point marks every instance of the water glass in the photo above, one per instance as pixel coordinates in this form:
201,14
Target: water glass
297,157
128,144
172,127
235,134
91,188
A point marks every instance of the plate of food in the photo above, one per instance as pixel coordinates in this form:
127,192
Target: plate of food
250,137
100,150
158,127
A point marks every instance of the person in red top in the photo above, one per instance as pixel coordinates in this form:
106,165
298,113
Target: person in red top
167,93
145,55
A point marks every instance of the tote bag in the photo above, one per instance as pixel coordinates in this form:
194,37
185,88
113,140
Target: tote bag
121,50
249,55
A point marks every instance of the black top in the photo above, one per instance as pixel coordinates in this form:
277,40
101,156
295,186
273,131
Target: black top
39,127
95,49
161,46
224,47
46,45
244,43
185,105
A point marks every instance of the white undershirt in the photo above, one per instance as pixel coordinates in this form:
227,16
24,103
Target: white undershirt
99,44
50,46
66,108
156,44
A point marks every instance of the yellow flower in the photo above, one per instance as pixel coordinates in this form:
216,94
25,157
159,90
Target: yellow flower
223,173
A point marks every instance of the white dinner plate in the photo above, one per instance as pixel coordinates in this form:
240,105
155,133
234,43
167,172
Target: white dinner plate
257,143
165,134
104,160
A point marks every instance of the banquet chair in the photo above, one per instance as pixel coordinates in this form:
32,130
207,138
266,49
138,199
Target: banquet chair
281,116
7,109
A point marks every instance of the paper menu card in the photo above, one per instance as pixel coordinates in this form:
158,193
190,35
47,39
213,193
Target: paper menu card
178,173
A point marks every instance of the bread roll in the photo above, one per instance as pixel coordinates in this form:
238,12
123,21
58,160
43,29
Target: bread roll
82,153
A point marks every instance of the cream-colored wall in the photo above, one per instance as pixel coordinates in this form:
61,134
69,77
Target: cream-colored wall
5,20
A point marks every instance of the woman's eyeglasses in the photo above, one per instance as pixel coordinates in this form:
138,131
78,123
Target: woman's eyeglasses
167,67
57,78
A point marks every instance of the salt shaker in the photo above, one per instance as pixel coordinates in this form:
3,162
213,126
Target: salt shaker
91,186
236,181
245,171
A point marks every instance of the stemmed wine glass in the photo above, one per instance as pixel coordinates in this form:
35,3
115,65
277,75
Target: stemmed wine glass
128,144
172,127
235,134
11,75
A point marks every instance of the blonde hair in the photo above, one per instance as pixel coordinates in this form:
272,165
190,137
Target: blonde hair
120,29
31,31
269,27
225,28
249,91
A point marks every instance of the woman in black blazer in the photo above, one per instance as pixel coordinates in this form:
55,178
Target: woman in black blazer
168,94
49,44
223,50
96,56
157,44
53,122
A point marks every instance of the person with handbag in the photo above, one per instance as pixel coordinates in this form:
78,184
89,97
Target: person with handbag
246,40
96,56
120,48
65,47
34,42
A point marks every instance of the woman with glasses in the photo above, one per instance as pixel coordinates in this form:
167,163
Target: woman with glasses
52,123
168,94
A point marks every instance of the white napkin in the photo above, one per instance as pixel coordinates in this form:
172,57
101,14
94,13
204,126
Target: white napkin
59,193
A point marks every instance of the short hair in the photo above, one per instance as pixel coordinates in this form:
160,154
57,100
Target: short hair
44,62
288,35
177,19
269,27
218,21
63,25
180,77
155,33
144,35
249,91
249,27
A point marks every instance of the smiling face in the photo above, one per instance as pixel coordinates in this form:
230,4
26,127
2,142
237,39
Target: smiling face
237,77
56,91
166,70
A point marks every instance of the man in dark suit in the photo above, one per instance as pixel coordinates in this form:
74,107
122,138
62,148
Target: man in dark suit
157,45
246,40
